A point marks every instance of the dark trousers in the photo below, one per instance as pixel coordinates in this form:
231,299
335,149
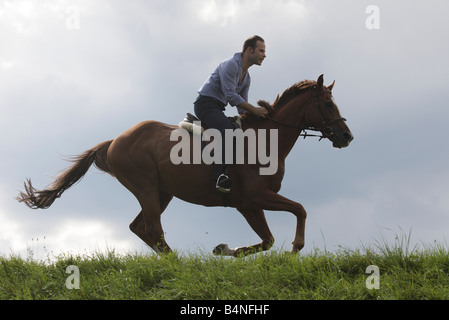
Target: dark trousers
210,112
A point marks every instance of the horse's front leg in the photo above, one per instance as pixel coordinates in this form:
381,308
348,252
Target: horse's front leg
270,200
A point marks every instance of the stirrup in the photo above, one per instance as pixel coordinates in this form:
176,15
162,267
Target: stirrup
221,178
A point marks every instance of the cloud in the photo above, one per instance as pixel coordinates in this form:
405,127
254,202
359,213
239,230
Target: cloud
232,13
8,64
393,200
86,234
11,240
218,11
41,238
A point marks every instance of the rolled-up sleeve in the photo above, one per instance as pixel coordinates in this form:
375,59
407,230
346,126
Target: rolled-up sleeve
229,78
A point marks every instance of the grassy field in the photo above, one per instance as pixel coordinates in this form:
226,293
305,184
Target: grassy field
403,273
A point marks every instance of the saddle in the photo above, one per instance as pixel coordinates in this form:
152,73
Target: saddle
189,125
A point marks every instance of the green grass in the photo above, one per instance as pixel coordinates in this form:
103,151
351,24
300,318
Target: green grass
405,273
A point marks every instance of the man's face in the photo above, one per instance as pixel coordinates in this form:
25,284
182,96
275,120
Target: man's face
258,54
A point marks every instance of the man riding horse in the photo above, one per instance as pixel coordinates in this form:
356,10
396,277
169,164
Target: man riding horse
140,157
229,83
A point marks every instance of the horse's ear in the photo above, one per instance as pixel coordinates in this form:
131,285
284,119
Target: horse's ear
331,86
320,81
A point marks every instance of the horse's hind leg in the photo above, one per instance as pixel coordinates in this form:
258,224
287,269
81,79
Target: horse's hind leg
147,225
256,219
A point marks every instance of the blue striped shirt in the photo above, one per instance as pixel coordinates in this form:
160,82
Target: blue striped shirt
223,84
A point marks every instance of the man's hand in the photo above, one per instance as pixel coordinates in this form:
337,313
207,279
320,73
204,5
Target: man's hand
257,111
260,112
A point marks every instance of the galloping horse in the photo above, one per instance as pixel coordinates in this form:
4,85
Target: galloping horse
140,159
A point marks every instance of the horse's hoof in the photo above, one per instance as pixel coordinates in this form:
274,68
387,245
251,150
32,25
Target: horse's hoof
221,249
224,250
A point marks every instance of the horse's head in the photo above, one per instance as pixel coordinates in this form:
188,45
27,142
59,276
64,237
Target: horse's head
316,111
325,116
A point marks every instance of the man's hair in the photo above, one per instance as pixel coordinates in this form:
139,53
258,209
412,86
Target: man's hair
251,42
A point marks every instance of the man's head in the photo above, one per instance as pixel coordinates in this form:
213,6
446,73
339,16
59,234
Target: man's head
254,47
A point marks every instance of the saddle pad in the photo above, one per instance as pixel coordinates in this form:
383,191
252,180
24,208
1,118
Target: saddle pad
187,123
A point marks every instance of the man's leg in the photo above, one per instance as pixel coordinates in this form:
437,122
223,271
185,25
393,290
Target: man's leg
210,113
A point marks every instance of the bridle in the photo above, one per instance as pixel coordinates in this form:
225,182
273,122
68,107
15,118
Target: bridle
325,129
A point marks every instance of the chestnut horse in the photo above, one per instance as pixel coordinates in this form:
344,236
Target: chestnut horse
140,159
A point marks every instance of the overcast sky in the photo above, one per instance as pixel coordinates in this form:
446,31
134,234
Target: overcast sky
76,73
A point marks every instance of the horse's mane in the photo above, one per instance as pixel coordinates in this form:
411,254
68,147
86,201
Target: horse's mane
280,101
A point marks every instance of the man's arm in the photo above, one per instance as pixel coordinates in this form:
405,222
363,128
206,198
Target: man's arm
228,77
228,72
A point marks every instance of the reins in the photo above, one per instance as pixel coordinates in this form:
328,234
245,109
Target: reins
305,134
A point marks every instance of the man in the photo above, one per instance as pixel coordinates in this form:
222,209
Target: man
229,83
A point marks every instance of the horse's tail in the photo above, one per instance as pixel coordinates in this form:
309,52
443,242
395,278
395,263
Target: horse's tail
42,199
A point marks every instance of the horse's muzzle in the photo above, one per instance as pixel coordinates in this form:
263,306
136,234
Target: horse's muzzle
341,139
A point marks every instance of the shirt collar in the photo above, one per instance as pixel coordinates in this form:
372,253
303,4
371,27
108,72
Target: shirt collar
238,57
